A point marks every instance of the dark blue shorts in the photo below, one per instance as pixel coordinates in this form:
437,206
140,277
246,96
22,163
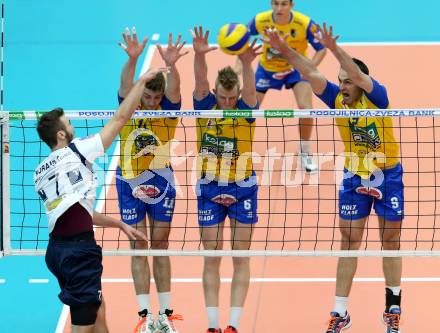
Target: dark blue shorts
77,265
266,80
151,193
216,201
357,195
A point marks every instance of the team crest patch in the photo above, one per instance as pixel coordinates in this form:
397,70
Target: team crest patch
371,191
210,124
225,199
145,192
293,33
282,75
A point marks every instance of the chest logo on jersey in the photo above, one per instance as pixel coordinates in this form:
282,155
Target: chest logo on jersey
293,33
371,191
225,199
145,192
367,135
218,145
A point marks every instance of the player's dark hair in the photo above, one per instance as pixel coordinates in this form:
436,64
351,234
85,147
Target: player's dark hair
49,125
364,68
228,78
157,84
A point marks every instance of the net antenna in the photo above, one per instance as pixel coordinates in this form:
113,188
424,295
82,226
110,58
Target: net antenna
4,163
5,228
2,57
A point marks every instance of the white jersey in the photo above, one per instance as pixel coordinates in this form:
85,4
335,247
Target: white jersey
66,177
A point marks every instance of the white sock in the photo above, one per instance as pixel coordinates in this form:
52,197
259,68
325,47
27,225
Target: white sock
304,146
395,290
341,305
143,301
234,316
164,301
213,321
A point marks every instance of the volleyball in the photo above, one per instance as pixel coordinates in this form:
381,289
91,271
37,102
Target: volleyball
233,38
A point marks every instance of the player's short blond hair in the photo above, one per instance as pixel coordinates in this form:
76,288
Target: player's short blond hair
227,78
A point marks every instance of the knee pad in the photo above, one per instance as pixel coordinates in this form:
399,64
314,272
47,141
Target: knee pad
84,315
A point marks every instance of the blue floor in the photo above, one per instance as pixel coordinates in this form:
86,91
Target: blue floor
65,53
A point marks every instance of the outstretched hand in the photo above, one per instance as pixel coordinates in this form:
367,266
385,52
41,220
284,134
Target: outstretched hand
200,41
251,53
132,46
172,53
326,38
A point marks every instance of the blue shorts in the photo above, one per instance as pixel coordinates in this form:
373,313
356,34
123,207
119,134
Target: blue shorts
215,201
266,80
151,192
384,189
77,265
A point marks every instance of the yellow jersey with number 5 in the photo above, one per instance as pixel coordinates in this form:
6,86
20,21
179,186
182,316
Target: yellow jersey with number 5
369,141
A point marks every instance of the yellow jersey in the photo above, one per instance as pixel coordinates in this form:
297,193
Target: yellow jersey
224,144
300,31
369,141
145,142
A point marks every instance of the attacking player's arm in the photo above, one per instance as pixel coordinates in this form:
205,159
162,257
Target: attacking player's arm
133,50
325,36
102,220
303,64
201,47
248,92
170,56
127,107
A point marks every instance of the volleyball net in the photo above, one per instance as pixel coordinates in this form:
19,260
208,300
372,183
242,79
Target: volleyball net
298,212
